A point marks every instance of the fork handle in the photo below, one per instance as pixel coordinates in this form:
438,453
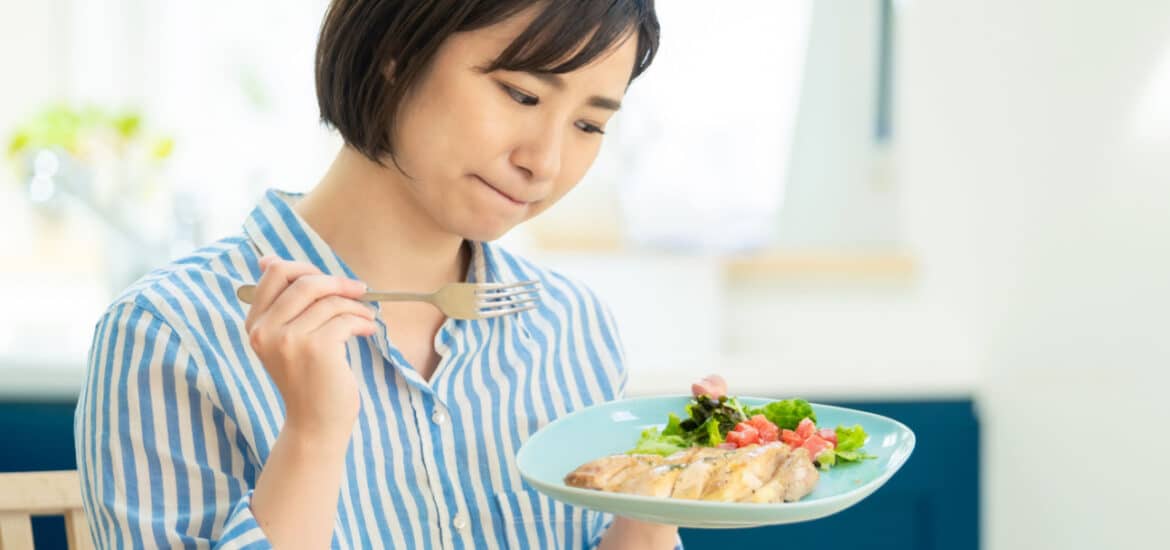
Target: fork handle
247,294
396,297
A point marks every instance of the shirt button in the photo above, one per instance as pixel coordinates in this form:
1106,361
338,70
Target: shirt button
438,416
460,522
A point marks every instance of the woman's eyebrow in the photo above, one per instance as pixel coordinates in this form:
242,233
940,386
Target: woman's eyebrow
555,80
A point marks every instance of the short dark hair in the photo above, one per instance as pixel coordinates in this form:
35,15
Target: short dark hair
360,38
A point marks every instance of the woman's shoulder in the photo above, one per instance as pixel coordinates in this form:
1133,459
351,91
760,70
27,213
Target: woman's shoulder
198,283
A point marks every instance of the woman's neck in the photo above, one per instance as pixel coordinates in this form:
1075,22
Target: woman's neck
368,215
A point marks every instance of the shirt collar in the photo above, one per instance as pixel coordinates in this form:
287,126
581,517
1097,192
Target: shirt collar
276,229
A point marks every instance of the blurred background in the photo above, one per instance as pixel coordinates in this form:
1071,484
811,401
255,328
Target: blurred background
952,212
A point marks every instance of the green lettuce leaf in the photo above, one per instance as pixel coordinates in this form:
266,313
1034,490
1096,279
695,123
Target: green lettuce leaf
785,414
849,443
850,439
655,443
713,436
852,456
673,426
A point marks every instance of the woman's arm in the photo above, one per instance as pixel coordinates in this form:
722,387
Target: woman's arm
159,457
295,500
156,452
298,324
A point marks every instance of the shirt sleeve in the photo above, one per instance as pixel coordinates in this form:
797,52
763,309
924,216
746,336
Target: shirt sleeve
161,465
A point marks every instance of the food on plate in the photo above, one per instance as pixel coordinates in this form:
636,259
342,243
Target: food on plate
721,450
772,472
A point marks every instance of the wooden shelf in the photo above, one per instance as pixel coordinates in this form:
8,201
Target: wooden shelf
800,264
766,265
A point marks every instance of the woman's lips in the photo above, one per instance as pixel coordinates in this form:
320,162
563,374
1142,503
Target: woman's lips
510,198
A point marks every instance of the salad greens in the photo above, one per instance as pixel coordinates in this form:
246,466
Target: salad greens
674,437
724,413
849,442
708,421
786,414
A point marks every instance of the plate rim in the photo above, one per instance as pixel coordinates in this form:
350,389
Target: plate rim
861,490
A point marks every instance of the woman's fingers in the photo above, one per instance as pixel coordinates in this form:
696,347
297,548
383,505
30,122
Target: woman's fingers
712,385
324,310
344,326
278,275
306,291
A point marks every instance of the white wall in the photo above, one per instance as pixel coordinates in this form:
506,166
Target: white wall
31,65
1043,217
837,194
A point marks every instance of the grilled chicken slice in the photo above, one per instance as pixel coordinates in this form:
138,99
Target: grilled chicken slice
658,482
798,475
691,480
741,473
597,474
757,473
794,477
641,467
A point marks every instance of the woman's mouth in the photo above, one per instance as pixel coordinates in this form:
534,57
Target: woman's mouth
502,194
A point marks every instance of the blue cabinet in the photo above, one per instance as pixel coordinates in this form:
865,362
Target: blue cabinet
931,504
38,436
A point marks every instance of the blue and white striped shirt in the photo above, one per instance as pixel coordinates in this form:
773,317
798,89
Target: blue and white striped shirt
177,415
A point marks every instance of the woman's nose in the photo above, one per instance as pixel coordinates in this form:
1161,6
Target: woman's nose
539,157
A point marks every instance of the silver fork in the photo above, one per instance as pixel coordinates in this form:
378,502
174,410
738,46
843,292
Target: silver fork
455,300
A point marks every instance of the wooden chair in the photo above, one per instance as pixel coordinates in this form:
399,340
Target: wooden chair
27,494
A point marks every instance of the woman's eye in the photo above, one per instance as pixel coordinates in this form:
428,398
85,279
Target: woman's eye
520,97
590,128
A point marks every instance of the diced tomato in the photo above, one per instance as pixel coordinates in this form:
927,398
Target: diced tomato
768,431
760,421
726,445
743,435
815,445
806,428
830,435
790,438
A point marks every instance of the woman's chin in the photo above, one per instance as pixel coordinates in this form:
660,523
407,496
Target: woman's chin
485,230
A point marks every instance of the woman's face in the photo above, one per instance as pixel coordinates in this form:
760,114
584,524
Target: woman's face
485,151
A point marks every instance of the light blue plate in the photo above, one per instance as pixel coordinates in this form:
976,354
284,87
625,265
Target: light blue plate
615,427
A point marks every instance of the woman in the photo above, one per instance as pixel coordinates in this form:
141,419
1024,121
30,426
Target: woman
310,419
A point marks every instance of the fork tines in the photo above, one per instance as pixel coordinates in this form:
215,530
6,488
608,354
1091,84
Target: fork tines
507,298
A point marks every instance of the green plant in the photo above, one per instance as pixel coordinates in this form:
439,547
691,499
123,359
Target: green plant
80,130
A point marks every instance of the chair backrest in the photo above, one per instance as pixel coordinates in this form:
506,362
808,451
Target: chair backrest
27,494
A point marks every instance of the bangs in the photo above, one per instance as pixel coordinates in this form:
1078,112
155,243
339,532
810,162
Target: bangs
569,34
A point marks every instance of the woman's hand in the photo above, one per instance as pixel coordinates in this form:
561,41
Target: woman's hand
638,535
712,385
298,325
